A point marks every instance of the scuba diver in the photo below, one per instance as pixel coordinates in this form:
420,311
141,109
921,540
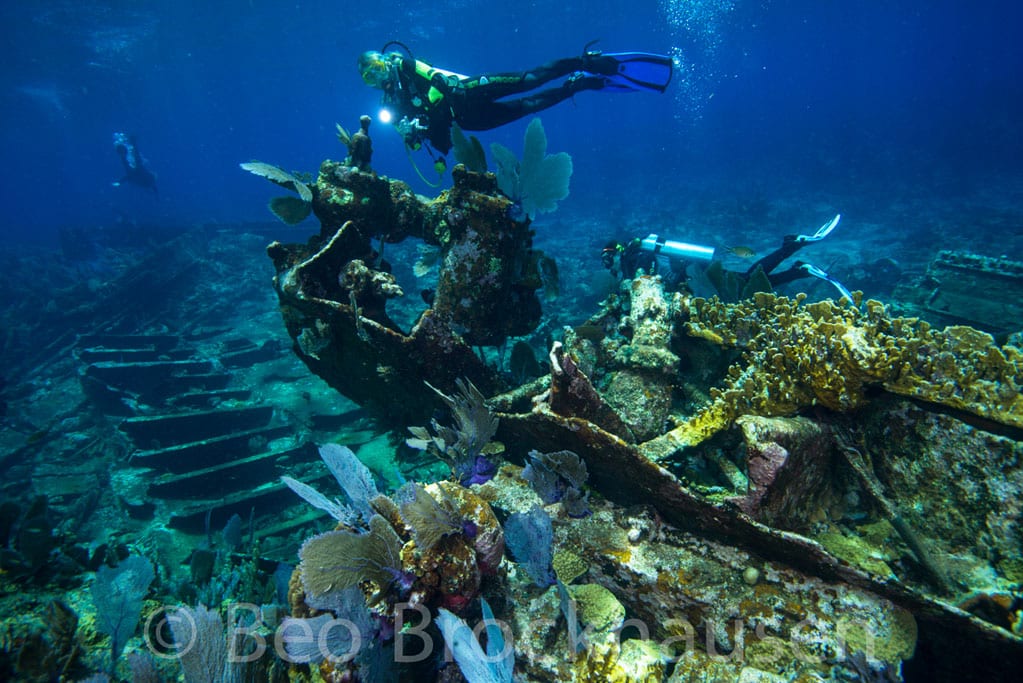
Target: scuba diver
670,259
136,169
426,101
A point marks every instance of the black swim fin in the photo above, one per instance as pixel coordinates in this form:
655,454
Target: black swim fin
640,71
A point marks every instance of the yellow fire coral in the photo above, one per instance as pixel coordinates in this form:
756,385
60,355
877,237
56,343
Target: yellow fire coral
796,356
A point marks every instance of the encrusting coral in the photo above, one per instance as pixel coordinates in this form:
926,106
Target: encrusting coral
797,356
641,389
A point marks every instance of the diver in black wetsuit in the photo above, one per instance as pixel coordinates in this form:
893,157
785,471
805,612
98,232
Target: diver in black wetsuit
670,259
136,169
426,101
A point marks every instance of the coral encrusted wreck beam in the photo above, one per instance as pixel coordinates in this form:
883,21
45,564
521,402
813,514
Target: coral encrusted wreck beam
333,290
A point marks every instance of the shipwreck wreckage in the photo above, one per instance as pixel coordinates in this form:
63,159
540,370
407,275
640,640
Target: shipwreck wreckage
798,406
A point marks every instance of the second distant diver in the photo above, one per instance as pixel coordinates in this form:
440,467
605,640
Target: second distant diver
136,168
425,101
672,259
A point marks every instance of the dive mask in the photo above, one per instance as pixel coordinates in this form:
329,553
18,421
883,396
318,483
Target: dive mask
375,69
607,254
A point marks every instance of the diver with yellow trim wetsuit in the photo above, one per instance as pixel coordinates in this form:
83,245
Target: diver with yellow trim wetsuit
425,100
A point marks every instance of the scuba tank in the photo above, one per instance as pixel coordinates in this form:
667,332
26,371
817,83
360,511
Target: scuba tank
683,251
671,257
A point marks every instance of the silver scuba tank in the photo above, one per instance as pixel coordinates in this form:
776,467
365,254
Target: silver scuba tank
678,250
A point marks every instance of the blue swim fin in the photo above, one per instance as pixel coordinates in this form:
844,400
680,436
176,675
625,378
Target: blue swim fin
640,71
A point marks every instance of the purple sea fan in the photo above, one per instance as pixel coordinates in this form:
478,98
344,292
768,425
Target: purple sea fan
489,544
354,478
483,470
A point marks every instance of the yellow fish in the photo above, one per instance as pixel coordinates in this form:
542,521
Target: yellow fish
742,252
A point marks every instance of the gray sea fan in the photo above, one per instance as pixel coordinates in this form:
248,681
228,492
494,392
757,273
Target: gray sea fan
280,177
291,210
311,640
429,520
509,171
143,668
468,151
117,594
565,464
475,426
345,631
542,479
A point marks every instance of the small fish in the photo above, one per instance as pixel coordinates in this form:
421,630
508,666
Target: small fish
429,257
37,437
594,333
741,252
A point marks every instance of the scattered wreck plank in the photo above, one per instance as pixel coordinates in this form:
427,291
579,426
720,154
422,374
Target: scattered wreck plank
197,454
179,428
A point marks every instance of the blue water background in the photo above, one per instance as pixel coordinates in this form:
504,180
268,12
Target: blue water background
800,98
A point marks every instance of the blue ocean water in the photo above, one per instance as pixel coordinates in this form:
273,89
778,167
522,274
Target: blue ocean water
822,105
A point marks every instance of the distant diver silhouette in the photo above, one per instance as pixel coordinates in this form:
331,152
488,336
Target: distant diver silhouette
136,169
